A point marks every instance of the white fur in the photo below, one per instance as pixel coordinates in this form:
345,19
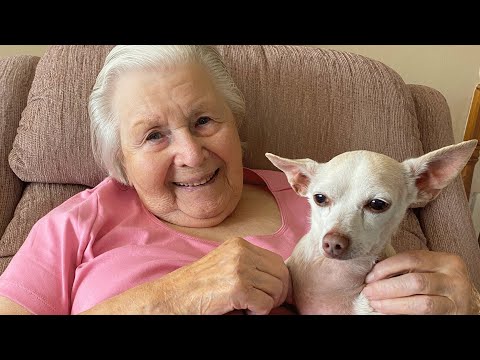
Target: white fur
361,306
329,284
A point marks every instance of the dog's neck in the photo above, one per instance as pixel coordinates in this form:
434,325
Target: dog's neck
327,286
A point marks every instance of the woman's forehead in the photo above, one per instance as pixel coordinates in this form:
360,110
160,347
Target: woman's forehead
191,77
145,93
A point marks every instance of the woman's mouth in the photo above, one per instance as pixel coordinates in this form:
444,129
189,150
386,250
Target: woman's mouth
200,182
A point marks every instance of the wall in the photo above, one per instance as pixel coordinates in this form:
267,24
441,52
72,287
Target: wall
475,207
7,50
451,69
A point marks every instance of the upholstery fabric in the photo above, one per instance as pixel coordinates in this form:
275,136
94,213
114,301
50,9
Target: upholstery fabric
446,221
37,200
16,75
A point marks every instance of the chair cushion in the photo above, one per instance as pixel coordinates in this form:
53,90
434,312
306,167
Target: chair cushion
37,200
53,140
16,75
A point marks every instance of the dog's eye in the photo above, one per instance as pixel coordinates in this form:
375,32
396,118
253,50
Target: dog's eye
320,199
377,205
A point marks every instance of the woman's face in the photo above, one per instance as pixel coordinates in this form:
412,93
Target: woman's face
180,144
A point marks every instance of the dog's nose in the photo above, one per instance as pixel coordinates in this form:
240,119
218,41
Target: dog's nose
334,245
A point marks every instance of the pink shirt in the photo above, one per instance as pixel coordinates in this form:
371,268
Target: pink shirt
103,241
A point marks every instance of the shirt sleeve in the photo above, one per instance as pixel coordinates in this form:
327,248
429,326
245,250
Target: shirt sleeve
41,274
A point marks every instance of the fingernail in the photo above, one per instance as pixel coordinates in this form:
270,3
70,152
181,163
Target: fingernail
370,277
367,291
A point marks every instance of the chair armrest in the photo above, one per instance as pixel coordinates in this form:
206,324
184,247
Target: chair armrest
16,75
446,221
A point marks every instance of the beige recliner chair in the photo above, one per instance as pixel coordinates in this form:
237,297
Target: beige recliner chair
301,102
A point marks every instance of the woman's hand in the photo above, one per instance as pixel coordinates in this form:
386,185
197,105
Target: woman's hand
236,275
427,283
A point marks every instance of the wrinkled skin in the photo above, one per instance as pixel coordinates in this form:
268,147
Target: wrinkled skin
236,275
427,283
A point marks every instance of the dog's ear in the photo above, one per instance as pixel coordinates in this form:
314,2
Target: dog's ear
299,172
435,170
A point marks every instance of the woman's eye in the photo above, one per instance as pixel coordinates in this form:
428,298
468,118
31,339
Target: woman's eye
204,120
154,135
377,205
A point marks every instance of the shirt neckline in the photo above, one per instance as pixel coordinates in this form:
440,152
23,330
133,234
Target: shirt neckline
270,187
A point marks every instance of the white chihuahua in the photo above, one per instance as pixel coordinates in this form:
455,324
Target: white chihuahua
358,200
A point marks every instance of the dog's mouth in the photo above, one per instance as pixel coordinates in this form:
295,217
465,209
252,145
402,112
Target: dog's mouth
354,254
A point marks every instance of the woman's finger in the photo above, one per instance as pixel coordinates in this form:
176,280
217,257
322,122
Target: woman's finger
409,284
409,261
271,286
259,303
270,262
415,305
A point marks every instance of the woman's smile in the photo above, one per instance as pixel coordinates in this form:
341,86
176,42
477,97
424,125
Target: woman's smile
198,183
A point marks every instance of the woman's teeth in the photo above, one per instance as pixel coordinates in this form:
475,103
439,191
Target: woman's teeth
202,182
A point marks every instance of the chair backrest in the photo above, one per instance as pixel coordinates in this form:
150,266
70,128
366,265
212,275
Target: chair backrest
301,102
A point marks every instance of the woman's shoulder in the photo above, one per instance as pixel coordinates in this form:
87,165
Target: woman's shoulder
108,191
275,180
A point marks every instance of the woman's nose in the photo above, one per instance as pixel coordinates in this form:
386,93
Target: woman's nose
189,149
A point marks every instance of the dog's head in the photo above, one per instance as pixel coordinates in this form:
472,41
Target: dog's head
359,198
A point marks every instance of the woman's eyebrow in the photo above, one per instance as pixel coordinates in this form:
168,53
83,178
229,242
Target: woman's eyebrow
144,121
151,120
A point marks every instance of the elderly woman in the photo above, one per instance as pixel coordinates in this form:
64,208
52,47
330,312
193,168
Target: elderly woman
179,226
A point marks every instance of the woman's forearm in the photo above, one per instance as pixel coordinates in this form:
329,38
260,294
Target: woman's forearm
153,297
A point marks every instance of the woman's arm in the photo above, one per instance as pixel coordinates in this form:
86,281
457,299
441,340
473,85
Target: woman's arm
8,307
235,275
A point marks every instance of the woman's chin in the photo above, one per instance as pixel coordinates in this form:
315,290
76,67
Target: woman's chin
193,220
206,205
200,223
205,216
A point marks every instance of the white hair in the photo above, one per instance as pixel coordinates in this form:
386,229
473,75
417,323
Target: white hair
104,125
